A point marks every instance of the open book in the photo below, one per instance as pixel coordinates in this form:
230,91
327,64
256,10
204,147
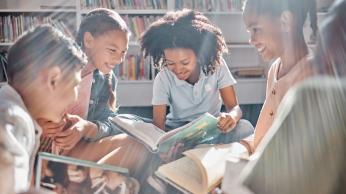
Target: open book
201,129
63,174
201,169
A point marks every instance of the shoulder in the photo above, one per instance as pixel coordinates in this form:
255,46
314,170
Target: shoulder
164,76
222,66
12,109
273,68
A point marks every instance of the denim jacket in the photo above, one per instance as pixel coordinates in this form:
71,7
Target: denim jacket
99,111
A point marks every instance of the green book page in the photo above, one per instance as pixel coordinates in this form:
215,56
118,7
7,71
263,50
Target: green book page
200,130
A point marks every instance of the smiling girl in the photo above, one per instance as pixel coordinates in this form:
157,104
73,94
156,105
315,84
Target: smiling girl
194,78
276,30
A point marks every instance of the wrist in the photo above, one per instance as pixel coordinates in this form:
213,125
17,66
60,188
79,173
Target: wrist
91,130
247,145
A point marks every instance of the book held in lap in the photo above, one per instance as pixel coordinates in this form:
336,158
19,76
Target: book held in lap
201,169
203,128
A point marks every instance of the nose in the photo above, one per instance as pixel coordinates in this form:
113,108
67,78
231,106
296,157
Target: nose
118,58
177,69
252,39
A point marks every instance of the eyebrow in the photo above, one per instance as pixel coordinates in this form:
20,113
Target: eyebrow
183,60
113,45
251,25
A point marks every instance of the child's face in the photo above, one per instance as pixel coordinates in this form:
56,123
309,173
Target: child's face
65,93
182,62
265,34
107,50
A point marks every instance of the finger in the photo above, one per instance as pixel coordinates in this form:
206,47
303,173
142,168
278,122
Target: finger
63,139
72,118
221,122
228,126
49,124
65,133
64,143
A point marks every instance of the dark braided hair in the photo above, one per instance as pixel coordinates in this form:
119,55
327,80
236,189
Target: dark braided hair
299,8
98,22
185,29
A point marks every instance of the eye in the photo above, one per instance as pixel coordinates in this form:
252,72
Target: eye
256,30
112,50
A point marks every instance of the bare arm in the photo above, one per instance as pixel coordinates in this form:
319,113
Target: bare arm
159,116
234,113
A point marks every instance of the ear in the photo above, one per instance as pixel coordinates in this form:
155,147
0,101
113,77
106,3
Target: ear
88,40
287,21
53,76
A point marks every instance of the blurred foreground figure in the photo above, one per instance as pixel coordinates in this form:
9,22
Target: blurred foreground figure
305,150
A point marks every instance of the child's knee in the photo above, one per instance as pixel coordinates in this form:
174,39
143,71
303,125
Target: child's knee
243,129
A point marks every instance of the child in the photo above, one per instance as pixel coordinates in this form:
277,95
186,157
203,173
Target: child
276,30
87,137
194,78
44,70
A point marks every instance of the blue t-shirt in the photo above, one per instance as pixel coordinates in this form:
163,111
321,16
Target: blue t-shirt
187,101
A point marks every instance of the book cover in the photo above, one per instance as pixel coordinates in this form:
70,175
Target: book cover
63,174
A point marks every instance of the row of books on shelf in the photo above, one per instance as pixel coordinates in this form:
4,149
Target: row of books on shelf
210,5
138,24
124,4
201,5
135,67
12,26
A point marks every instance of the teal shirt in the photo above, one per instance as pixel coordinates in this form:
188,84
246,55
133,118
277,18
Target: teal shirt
186,101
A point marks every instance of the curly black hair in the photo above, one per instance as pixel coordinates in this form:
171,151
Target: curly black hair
185,29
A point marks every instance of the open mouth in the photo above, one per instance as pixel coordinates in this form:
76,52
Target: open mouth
261,49
181,76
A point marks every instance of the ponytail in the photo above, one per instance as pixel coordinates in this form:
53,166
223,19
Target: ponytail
112,102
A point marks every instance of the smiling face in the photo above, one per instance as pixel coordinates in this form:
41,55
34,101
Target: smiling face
265,33
183,63
66,93
107,49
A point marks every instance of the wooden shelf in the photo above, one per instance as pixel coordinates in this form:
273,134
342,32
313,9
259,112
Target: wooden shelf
222,12
135,11
37,10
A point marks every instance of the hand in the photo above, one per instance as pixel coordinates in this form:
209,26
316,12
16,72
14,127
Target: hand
49,128
72,133
226,122
173,152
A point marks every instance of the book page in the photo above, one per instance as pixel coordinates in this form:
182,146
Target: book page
147,133
213,160
203,128
185,173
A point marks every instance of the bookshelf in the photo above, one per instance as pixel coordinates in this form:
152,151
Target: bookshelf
135,89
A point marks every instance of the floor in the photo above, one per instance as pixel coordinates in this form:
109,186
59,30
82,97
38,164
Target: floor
250,112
